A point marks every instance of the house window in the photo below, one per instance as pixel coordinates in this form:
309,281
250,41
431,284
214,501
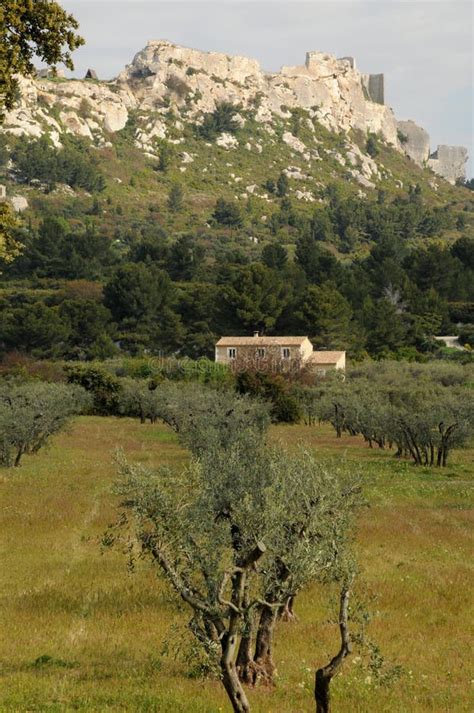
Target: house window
232,352
285,352
260,353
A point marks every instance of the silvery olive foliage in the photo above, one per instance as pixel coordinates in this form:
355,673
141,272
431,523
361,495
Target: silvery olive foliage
237,531
33,412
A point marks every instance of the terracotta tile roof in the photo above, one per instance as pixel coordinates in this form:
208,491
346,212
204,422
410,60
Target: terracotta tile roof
260,341
325,357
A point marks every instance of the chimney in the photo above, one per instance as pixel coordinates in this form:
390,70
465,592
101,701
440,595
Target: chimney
255,334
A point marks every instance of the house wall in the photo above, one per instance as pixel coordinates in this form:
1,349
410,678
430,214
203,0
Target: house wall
306,349
250,352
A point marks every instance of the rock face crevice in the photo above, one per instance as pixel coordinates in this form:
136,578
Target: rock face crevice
164,75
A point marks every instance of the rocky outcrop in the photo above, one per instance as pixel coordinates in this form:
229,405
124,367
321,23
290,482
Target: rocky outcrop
68,106
449,162
164,76
19,203
164,73
415,141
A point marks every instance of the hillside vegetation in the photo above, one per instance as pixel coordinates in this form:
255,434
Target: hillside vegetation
176,204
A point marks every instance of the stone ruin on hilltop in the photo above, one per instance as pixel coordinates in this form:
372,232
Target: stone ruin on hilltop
332,90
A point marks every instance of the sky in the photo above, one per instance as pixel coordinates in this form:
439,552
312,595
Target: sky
424,47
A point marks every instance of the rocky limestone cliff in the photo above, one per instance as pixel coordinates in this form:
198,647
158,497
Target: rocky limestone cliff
447,161
164,75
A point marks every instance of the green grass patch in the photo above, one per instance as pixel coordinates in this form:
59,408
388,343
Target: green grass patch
80,633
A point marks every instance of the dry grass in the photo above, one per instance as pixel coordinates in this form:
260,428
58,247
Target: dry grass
104,628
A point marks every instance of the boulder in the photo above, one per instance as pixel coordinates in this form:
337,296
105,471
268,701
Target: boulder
294,143
304,196
227,141
186,157
19,203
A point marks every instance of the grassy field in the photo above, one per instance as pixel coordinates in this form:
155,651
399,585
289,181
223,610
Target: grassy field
80,633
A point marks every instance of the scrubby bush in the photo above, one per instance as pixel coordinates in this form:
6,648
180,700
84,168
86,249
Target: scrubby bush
274,388
104,387
221,120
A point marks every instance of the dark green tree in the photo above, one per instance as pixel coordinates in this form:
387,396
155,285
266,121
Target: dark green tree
35,329
141,299
90,328
175,198
321,226
274,256
385,327
28,29
318,263
185,257
325,316
282,185
227,213
254,299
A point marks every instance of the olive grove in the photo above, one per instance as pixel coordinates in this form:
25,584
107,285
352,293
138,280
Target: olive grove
422,411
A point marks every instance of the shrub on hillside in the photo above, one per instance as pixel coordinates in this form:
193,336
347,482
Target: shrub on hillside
227,213
221,120
74,164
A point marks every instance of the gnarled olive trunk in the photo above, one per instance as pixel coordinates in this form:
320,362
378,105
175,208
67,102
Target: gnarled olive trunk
230,678
264,643
287,613
245,660
325,674
230,639
254,660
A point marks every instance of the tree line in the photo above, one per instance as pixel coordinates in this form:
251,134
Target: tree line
421,411
169,296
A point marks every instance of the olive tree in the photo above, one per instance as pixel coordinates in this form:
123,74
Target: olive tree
204,418
238,531
310,544
139,398
31,413
427,426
